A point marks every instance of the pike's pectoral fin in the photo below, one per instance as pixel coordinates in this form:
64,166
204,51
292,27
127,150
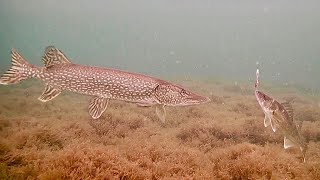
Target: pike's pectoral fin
287,143
161,113
53,56
97,106
49,93
267,121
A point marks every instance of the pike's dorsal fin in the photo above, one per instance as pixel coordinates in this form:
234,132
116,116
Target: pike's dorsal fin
287,143
49,93
53,56
161,113
97,106
267,121
288,107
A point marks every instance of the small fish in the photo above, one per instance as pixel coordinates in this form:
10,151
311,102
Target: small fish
280,117
103,84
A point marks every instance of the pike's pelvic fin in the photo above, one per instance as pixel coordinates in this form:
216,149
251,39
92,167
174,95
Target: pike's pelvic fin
161,113
97,106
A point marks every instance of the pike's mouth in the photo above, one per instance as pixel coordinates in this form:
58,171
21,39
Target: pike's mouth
197,100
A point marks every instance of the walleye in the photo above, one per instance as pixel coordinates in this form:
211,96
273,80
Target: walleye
280,117
104,84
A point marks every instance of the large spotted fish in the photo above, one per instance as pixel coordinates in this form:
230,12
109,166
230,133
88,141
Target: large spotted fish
103,84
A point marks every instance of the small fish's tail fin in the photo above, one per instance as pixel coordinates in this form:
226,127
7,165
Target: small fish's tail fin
19,70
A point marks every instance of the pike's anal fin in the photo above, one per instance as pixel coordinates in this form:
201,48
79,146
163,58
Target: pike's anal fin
49,93
287,143
97,106
161,113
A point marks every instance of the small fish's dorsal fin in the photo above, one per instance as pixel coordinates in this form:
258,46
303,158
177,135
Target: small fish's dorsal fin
97,106
287,143
49,93
267,121
288,107
161,113
53,56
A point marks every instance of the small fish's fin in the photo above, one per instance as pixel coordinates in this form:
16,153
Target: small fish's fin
18,70
273,126
49,93
97,106
299,126
304,151
287,143
288,107
53,56
161,113
267,121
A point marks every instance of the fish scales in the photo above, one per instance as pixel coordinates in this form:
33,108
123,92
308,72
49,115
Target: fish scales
104,84
98,81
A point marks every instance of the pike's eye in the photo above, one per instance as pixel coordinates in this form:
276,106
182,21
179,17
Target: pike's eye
183,92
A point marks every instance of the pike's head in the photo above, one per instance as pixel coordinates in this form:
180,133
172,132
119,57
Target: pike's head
174,95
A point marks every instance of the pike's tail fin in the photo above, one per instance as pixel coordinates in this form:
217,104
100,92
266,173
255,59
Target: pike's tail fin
19,70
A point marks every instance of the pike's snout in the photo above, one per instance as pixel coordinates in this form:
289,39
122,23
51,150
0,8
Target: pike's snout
196,99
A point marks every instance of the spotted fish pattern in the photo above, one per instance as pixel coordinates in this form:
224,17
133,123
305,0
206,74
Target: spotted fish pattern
103,84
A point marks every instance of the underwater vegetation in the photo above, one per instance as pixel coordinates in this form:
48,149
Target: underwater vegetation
223,139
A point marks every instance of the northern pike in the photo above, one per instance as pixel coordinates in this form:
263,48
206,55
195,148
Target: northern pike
60,74
280,117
